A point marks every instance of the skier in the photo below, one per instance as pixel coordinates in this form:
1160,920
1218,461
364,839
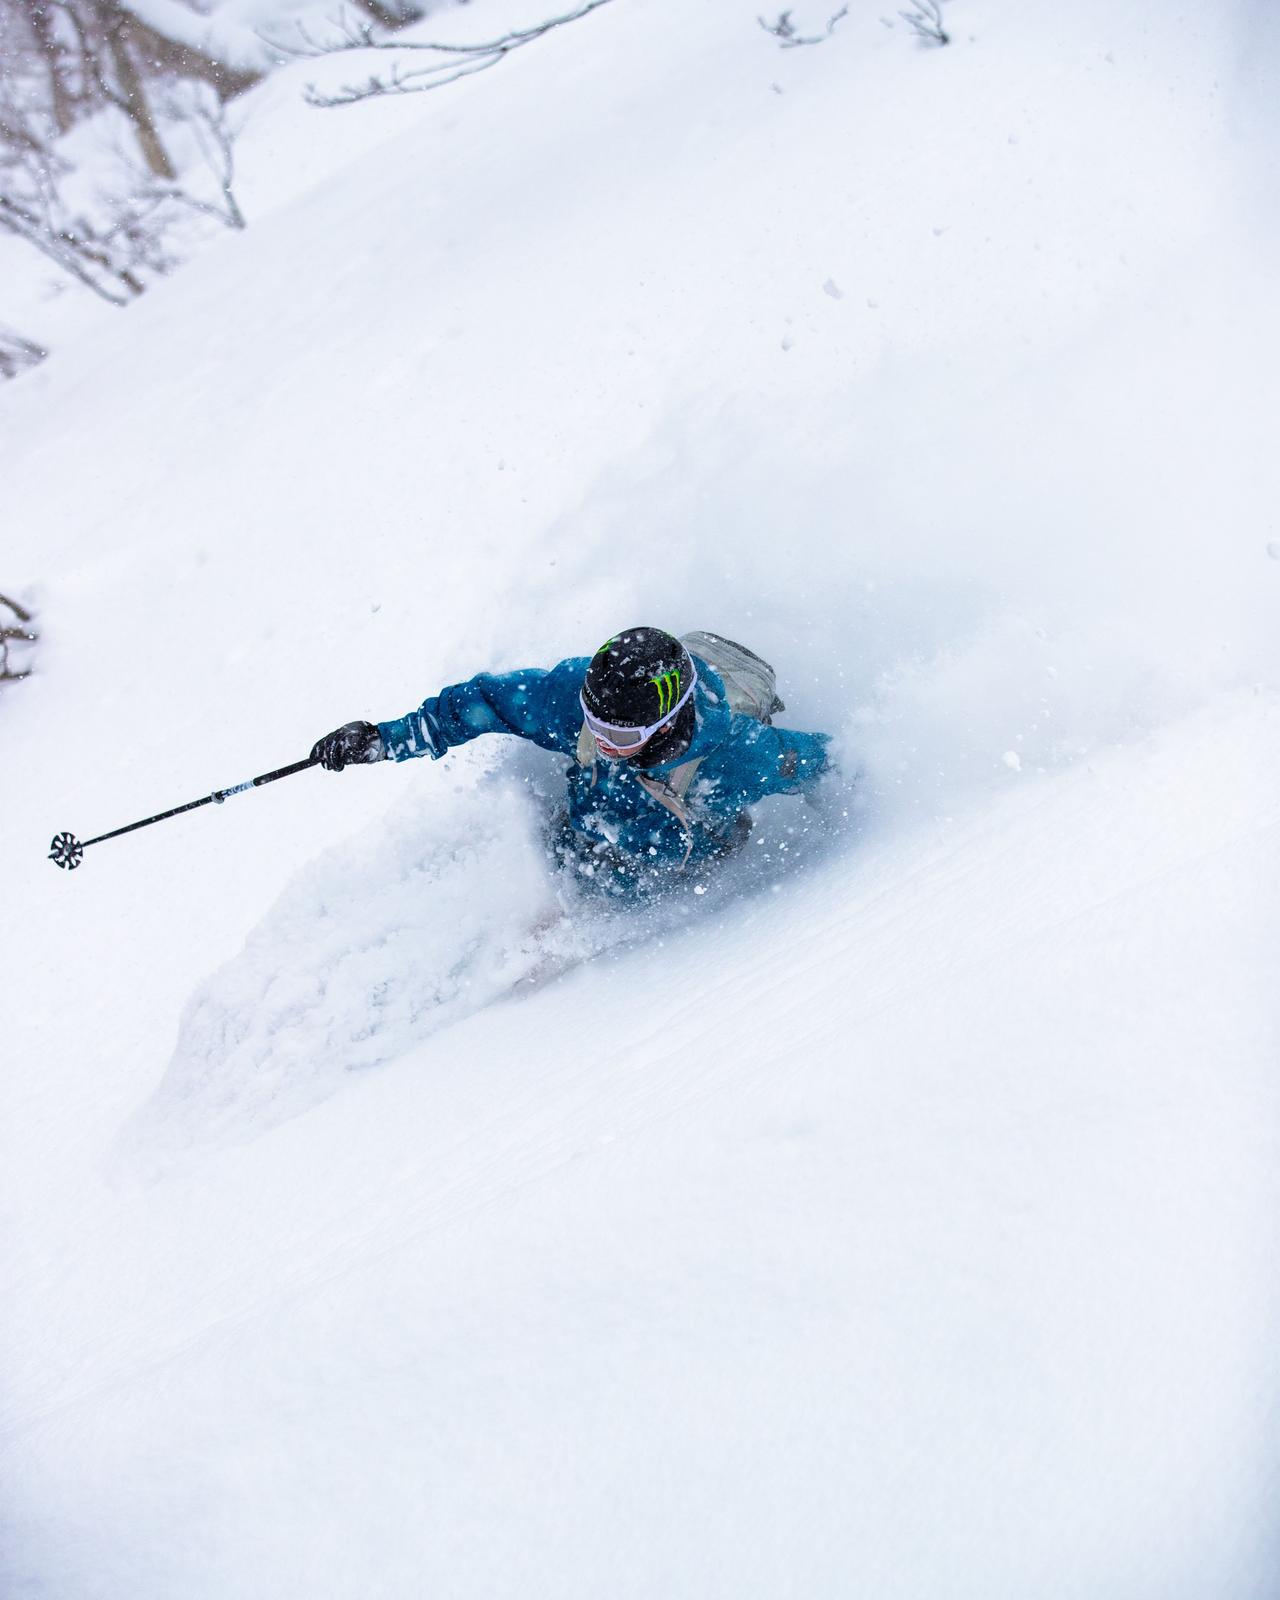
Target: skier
670,742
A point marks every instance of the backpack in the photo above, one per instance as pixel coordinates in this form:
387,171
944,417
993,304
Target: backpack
750,681
751,687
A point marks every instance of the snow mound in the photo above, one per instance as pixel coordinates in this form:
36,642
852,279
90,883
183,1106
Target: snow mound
438,909
442,907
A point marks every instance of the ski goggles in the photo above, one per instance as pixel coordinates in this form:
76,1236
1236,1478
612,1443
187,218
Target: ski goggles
617,740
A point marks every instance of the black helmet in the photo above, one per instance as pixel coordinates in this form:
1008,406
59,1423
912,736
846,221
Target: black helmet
636,683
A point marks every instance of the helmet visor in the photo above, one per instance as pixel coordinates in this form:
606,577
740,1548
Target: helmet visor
624,740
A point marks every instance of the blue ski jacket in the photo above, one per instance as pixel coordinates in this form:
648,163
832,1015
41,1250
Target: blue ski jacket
740,759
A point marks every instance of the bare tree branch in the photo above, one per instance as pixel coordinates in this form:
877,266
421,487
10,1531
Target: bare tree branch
16,355
112,241
784,30
207,120
925,17
10,635
216,139
75,251
456,60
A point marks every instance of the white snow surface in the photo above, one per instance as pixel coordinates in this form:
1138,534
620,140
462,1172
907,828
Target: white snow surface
898,1219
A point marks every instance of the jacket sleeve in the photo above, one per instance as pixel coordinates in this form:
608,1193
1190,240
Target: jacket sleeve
760,760
538,705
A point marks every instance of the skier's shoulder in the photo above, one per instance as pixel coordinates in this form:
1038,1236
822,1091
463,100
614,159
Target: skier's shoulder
714,718
720,727
734,745
561,684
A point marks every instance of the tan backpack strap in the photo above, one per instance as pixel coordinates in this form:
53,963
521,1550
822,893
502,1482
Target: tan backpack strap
586,753
683,775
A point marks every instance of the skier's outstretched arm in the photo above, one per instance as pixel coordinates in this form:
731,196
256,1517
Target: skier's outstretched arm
536,704
767,760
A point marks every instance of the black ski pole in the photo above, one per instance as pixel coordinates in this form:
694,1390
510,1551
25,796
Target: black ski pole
68,851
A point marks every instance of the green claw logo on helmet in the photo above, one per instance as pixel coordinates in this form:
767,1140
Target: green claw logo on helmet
630,668
668,687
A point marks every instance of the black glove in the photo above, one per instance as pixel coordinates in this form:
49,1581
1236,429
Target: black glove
353,741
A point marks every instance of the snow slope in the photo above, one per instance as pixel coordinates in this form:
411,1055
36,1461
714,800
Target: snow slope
917,1237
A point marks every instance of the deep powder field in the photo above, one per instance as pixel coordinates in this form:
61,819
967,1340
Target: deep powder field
381,1218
